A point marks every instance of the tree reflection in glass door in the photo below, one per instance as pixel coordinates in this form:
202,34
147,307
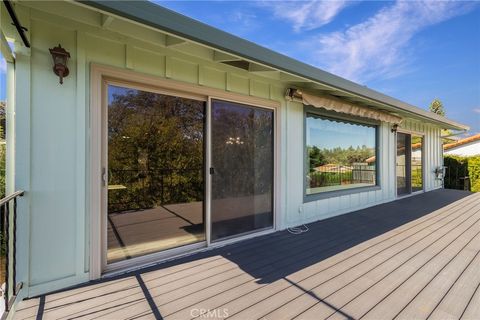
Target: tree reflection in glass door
242,160
409,163
417,159
402,164
155,172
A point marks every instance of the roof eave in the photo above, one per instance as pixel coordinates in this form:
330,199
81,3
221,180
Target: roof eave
163,19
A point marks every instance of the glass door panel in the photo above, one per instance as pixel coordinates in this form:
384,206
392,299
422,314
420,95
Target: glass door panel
402,162
409,162
417,170
242,161
155,172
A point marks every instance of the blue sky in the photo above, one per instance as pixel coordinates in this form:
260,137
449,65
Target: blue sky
414,51
326,134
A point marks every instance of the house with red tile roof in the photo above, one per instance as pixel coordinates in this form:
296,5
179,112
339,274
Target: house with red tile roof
465,147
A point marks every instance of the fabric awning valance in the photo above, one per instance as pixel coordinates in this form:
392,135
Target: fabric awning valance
338,105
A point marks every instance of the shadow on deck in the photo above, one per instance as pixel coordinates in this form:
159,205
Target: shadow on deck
283,253
244,277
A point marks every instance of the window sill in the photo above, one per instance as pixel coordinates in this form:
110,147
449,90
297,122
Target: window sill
337,193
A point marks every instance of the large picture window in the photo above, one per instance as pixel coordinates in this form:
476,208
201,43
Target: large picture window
339,154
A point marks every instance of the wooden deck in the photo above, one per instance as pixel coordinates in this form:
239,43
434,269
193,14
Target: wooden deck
415,258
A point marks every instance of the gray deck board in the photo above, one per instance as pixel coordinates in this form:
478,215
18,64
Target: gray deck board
378,298
414,258
472,311
356,280
455,301
337,291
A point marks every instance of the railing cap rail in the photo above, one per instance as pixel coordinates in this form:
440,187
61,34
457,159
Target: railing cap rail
11,196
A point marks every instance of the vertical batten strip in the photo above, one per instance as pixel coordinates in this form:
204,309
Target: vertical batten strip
391,163
438,133
439,153
388,160
168,67
437,157
383,159
426,158
434,162
201,74
80,158
228,81
430,158
129,56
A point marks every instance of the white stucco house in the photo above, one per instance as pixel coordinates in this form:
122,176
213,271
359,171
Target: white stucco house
464,147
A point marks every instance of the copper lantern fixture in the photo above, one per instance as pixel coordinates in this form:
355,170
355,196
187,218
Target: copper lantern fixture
60,57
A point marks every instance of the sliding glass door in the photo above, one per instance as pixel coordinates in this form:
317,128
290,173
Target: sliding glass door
154,172
409,163
403,165
155,187
242,169
417,162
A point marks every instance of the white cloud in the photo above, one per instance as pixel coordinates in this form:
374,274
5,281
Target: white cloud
307,15
476,110
380,46
243,22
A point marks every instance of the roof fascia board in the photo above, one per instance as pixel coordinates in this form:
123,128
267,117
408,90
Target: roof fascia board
157,17
5,48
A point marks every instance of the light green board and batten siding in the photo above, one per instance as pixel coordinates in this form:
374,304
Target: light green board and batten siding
298,212
53,135
56,176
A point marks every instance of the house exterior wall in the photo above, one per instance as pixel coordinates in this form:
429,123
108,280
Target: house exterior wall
466,150
53,136
298,212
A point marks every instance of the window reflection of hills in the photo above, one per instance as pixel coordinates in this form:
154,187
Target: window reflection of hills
340,154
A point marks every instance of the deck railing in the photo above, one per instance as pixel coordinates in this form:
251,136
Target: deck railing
8,254
342,175
131,189
456,177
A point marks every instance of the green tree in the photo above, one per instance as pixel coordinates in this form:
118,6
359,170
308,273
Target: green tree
437,107
316,157
155,150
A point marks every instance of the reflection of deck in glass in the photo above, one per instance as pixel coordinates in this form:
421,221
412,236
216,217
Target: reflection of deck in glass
136,233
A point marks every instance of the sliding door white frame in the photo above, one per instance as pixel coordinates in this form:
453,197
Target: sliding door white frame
410,133
100,77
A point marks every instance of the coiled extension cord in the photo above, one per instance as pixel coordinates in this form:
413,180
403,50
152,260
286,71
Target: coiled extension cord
298,230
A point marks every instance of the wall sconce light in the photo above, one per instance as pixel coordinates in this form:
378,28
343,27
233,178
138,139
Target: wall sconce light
60,57
394,128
